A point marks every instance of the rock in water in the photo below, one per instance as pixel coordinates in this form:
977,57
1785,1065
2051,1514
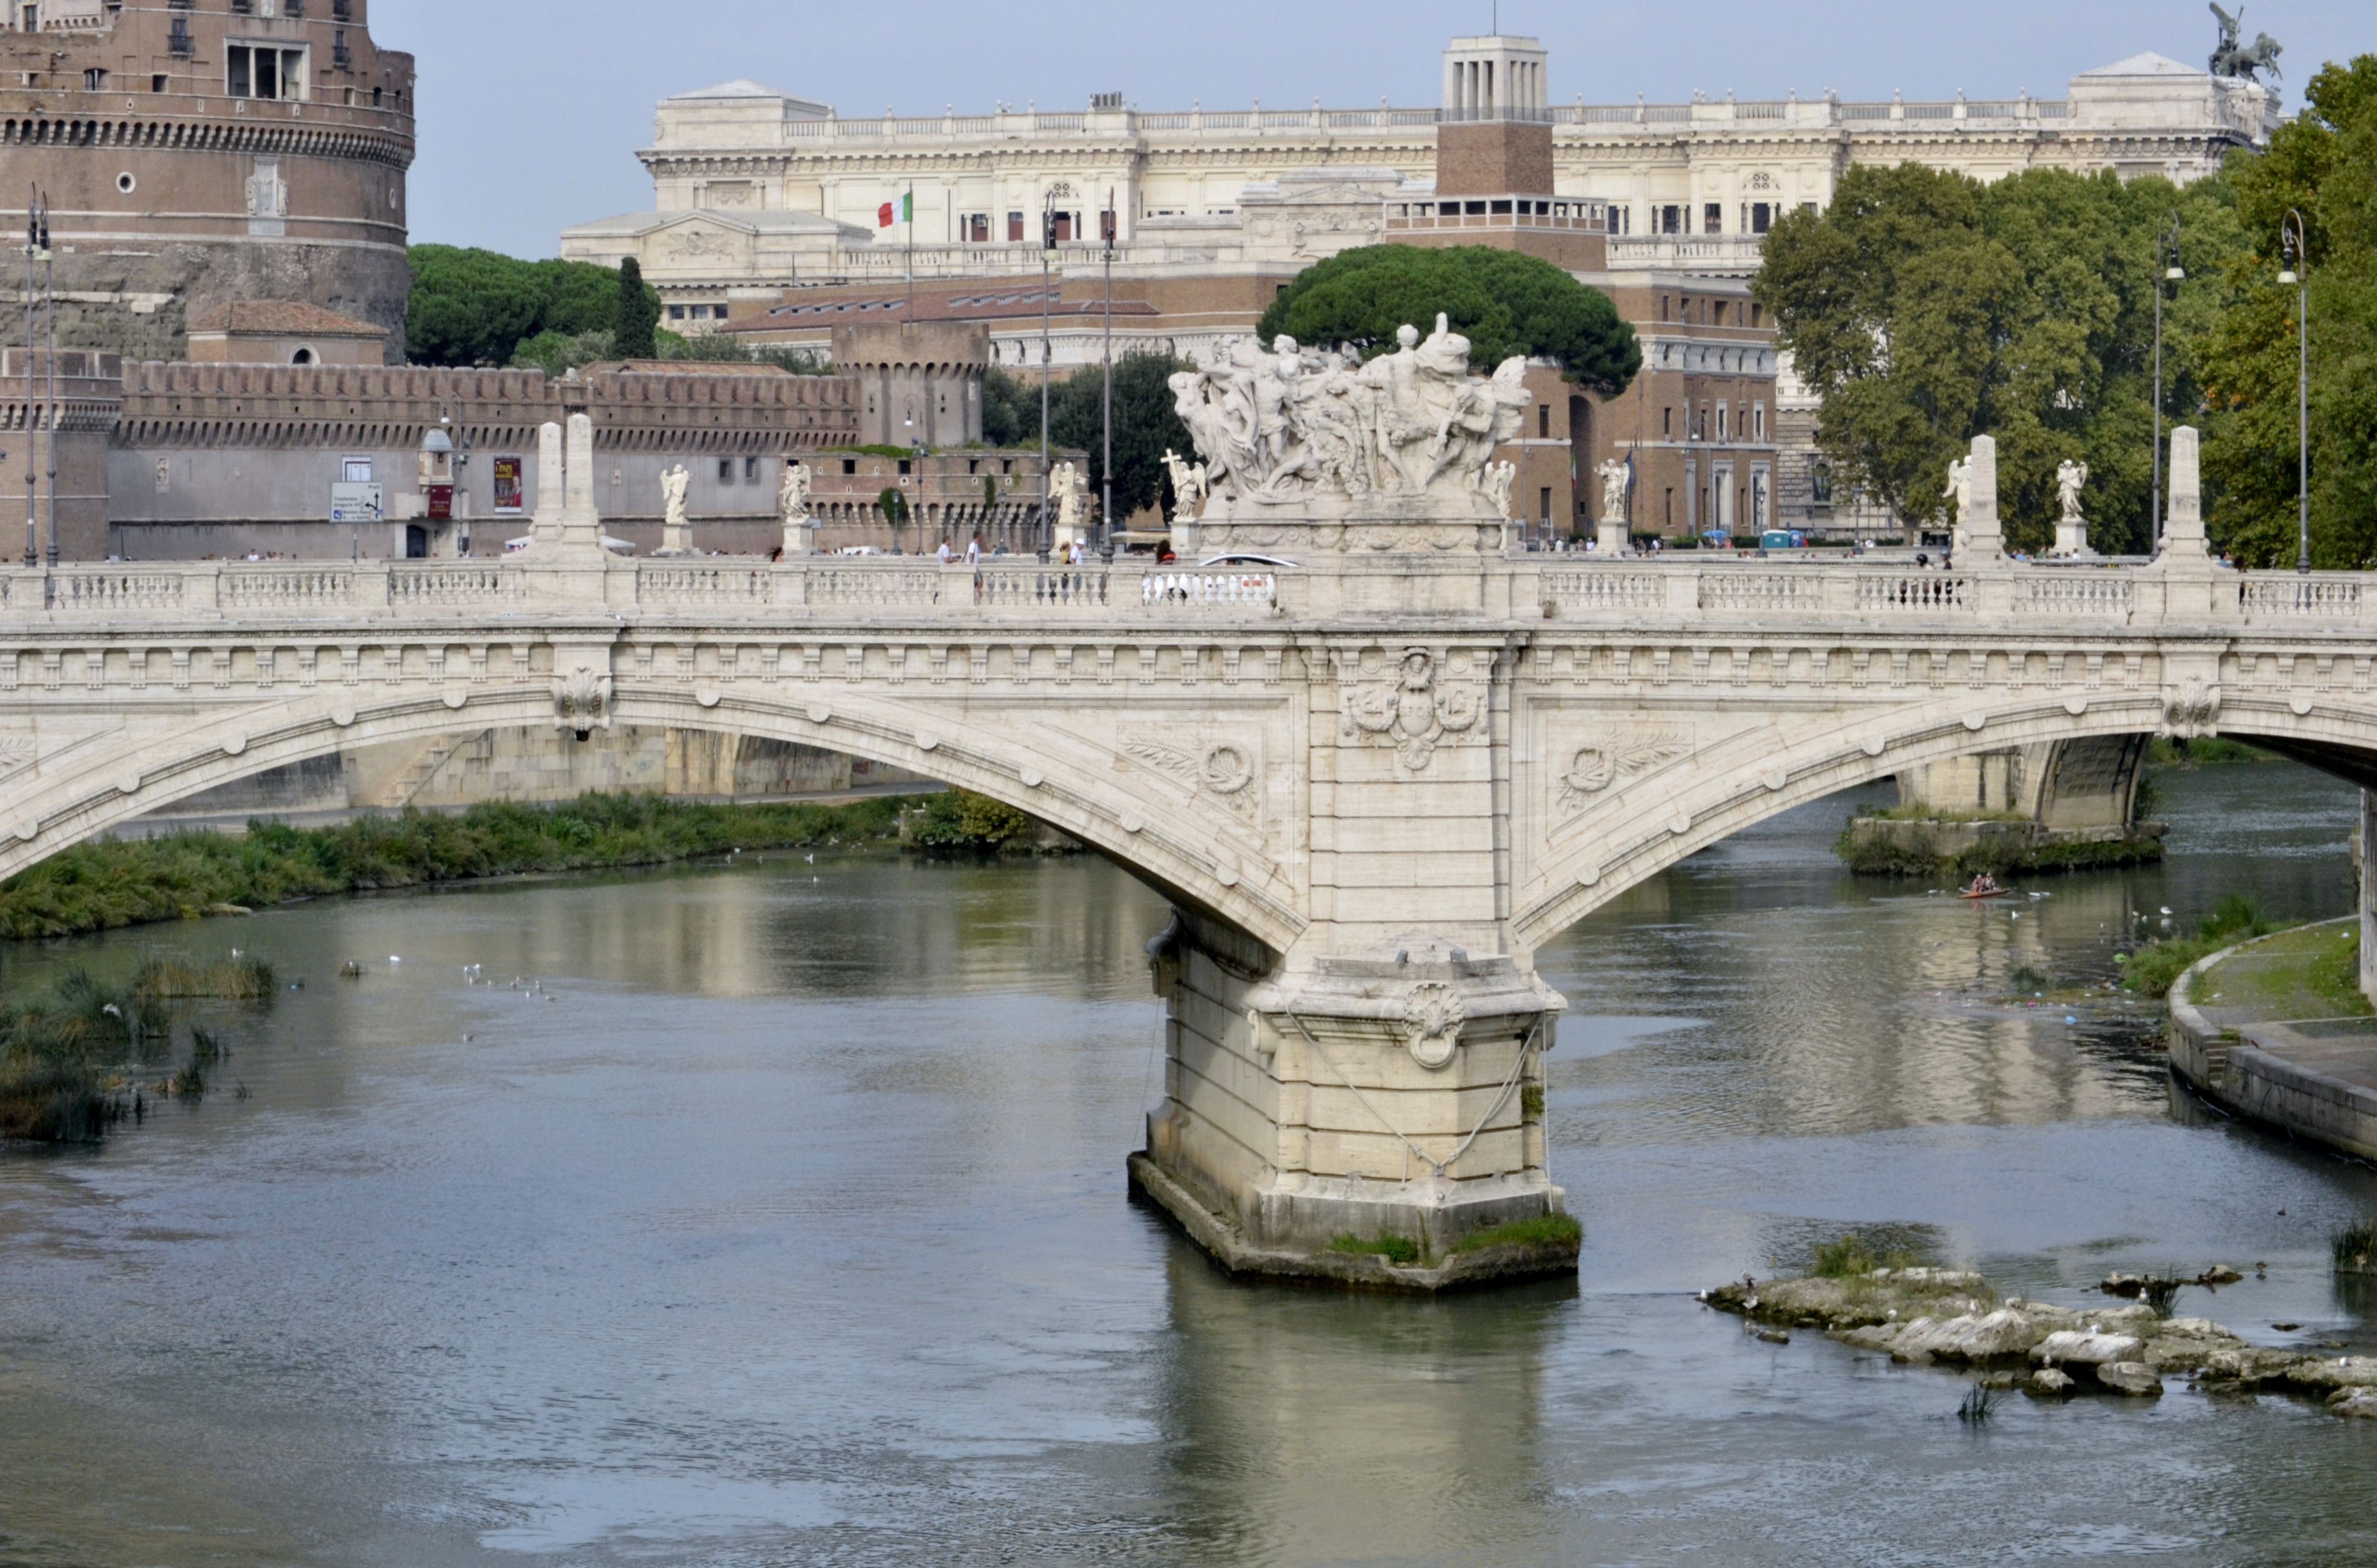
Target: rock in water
2048,1384
2361,1401
2133,1378
2085,1347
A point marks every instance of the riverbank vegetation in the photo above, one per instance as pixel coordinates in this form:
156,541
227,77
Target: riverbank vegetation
1915,844
80,1058
2152,969
104,884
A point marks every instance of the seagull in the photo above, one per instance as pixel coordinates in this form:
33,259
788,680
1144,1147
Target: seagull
2166,909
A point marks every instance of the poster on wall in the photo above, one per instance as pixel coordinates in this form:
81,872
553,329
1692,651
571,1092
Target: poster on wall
507,485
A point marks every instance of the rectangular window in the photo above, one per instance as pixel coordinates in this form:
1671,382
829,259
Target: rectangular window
355,471
1671,220
1719,317
1544,421
1762,217
1723,422
1062,230
750,471
159,82
1712,218
1758,423
256,70
1757,314
1671,507
32,19
977,228
93,80
850,465
676,313
1663,307
1546,513
1015,228
726,471
1668,422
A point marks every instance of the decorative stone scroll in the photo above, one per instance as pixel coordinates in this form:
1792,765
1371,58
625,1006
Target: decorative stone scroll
582,700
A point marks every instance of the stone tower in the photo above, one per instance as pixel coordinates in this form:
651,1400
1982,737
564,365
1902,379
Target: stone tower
198,154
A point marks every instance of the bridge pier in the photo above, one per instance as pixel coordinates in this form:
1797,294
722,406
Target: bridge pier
1313,1108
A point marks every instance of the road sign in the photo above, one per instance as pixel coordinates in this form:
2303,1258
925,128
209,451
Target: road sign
356,503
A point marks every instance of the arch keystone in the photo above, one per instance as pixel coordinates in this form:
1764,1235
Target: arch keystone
456,699
820,712
128,785
927,741
2075,706
1680,823
1976,722
1130,823
1031,777
2302,706
234,745
707,697
1776,777
1876,746
342,717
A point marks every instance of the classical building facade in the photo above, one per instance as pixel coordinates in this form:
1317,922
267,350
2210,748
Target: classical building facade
196,154
755,189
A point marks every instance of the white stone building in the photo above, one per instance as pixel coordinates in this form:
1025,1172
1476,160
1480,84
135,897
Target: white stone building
755,190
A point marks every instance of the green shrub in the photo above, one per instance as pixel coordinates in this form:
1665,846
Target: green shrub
959,820
2356,1248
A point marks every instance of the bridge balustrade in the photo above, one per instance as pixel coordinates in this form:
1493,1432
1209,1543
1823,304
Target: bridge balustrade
1020,588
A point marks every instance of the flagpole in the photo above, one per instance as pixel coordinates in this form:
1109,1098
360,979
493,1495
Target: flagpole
912,251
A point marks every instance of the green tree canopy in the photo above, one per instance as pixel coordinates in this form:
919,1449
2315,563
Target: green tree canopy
1145,424
478,308
1503,302
1926,308
2324,165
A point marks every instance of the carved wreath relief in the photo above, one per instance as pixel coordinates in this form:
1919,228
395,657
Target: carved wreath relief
1406,707
15,751
1225,770
1613,756
2194,711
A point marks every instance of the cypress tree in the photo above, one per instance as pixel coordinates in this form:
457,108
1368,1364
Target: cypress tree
639,314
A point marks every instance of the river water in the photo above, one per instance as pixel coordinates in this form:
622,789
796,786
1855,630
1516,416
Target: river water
790,1229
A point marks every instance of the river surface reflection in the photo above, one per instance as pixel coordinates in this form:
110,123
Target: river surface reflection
791,1230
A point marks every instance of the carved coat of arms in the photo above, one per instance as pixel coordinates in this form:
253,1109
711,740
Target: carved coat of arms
1433,1014
1407,708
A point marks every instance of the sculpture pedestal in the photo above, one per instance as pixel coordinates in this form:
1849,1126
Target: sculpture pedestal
800,536
676,539
1395,1095
1610,537
2071,540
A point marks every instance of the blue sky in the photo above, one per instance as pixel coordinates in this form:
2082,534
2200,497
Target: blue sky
531,110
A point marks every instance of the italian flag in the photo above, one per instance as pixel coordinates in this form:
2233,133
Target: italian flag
902,210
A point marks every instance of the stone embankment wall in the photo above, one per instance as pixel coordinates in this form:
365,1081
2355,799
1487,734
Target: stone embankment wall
2255,1070
533,766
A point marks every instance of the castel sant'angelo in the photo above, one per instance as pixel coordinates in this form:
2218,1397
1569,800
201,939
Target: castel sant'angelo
198,152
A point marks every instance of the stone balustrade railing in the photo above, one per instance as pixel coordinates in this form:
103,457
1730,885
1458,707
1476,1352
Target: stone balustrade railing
1712,589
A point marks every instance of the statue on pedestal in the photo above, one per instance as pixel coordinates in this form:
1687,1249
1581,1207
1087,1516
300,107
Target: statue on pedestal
1616,480
1188,486
1960,487
793,500
676,531
2071,529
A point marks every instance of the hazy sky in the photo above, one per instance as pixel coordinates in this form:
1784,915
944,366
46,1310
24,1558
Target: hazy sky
532,111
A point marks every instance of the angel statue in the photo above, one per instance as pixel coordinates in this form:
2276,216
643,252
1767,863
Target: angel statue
1616,480
676,532
1189,484
1496,480
793,497
2068,477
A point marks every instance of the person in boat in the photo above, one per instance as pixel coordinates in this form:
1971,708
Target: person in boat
1983,885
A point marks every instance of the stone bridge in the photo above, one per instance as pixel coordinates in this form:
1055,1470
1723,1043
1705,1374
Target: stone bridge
1372,784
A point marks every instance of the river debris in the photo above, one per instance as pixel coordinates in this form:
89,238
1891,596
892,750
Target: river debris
1951,1318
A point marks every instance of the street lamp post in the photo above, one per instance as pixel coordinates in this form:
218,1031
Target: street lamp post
33,248
2167,272
1047,255
2298,272
1105,486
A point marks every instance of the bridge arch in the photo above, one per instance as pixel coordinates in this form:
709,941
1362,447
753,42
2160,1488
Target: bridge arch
1200,856
1665,815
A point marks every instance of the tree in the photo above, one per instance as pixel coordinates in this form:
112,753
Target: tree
1145,425
639,315
2322,165
479,307
1503,302
893,504
1011,409
1926,308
